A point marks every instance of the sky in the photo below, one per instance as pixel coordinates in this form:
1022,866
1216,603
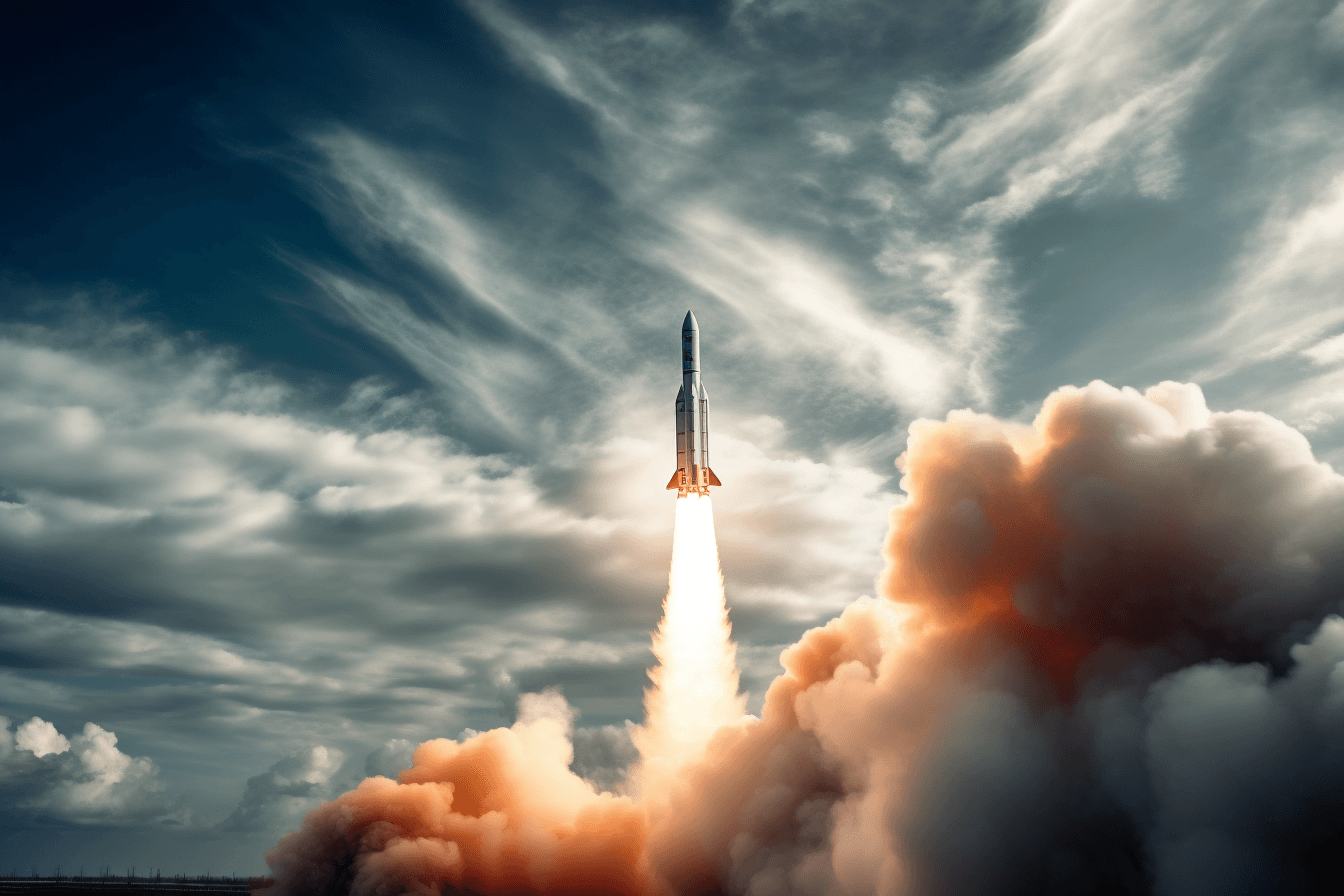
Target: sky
339,342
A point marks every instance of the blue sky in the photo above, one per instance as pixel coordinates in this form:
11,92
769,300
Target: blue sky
338,342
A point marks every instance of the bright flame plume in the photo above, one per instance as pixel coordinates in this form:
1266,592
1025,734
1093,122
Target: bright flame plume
695,684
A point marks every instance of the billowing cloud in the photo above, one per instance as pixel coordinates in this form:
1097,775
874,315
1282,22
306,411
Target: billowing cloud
39,737
1105,658
84,779
499,812
282,795
1110,519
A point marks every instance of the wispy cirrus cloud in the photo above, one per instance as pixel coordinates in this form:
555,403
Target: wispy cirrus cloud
171,517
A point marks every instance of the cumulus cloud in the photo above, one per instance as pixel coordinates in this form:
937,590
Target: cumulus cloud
278,798
84,779
1057,522
40,738
1105,659
501,811
390,759
1245,772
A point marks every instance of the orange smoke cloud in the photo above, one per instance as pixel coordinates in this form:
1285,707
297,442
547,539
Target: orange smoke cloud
500,813
1116,518
1017,713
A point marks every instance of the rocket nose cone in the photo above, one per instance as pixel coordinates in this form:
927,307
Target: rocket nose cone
689,323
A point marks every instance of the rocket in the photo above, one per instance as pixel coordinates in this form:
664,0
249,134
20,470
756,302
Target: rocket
693,474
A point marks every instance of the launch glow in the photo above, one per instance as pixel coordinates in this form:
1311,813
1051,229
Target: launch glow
695,682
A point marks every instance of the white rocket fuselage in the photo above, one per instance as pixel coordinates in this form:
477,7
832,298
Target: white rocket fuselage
693,473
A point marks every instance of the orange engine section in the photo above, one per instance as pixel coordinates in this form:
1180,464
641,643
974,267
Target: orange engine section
698,482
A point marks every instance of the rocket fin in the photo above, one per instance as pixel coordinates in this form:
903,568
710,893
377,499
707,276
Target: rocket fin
675,481
710,478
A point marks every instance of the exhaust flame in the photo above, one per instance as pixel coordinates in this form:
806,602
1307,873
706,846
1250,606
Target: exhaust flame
695,684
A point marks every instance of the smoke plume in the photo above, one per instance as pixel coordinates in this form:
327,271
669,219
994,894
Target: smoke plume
1106,658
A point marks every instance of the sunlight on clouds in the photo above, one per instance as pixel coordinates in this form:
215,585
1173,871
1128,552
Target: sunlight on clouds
1093,102
797,306
1286,296
961,275
913,113
880,212
378,564
40,738
481,379
1327,351
1332,28
278,799
832,144
84,779
796,300
394,205
1092,105
113,644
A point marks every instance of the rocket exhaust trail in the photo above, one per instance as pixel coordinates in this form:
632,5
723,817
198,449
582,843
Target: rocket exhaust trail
695,683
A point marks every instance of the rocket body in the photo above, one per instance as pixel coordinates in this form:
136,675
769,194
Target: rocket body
693,474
